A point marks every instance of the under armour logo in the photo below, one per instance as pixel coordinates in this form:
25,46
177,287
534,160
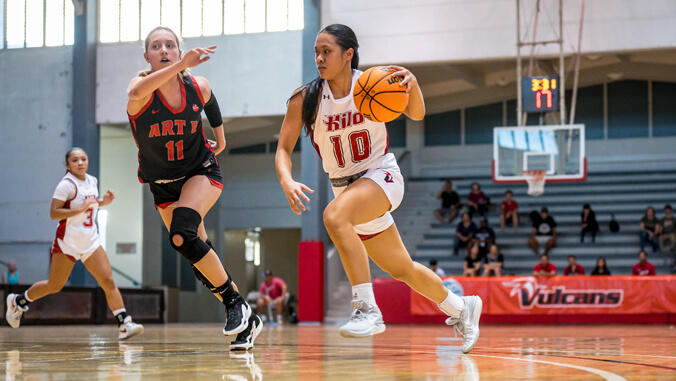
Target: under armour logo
326,96
388,177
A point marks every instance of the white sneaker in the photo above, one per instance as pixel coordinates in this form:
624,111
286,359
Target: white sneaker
129,329
14,311
366,321
468,323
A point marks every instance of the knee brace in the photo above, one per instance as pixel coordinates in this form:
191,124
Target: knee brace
184,222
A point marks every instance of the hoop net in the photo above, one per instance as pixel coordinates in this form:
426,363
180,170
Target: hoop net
536,182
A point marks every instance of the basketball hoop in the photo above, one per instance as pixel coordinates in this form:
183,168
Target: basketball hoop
536,182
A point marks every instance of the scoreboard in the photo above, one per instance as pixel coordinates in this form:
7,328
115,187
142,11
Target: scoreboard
540,94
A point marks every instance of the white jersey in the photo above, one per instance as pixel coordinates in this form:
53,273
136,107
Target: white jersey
77,236
346,141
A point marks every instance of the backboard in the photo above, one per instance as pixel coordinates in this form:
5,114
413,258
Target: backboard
558,150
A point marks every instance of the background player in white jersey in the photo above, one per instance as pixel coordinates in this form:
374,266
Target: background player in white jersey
367,184
74,205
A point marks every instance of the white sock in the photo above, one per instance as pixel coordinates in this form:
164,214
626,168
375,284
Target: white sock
452,305
119,311
25,295
364,292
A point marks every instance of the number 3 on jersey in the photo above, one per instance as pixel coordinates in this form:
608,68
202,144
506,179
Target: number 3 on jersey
360,147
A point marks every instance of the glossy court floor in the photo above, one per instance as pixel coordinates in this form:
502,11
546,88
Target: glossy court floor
289,352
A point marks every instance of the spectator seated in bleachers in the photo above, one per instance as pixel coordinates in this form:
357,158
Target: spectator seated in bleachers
477,201
544,231
12,275
484,237
472,264
493,262
544,268
573,268
509,212
650,229
643,267
601,267
589,223
667,231
437,270
464,233
450,203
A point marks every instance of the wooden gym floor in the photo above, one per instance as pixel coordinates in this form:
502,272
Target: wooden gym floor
317,352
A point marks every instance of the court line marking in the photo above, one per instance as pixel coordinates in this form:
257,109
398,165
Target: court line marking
534,349
602,373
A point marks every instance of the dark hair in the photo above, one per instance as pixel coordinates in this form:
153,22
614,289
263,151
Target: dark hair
477,184
667,207
644,252
571,256
509,191
346,39
604,262
586,206
647,209
544,209
433,262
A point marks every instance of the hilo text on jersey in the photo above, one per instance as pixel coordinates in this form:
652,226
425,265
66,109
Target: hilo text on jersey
167,128
343,121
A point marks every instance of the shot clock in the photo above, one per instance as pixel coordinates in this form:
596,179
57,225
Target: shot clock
540,94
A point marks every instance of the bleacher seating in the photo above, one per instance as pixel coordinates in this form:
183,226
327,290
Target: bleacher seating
625,194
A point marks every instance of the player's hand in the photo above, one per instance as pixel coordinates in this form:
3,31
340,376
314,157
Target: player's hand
108,197
409,79
193,57
88,202
294,192
215,146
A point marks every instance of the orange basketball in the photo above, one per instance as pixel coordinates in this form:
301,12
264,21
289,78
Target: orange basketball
378,95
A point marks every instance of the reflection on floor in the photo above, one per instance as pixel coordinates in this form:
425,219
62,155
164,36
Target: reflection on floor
318,352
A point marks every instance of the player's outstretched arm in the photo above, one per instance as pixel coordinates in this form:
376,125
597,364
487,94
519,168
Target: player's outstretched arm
288,136
141,88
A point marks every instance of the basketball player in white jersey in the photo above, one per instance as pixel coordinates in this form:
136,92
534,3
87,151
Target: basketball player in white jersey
74,204
367,184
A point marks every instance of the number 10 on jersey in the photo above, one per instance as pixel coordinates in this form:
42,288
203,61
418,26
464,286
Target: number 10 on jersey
360,147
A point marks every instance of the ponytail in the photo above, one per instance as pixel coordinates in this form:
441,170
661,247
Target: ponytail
311,91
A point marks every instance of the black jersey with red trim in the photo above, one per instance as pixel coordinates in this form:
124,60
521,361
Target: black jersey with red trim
171,142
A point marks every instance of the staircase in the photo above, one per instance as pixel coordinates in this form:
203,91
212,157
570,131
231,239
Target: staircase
625,194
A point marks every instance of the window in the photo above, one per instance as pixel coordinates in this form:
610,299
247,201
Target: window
479,123
664,115
131,20
628,109
442,129
36,23
589,110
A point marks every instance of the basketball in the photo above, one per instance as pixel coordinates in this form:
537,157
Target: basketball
378,95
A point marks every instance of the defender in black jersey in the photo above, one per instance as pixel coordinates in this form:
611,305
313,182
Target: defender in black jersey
179,163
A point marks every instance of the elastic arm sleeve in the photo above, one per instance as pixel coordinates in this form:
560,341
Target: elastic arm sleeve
213,112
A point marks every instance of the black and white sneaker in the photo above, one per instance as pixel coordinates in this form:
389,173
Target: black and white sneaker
237,313
245,339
